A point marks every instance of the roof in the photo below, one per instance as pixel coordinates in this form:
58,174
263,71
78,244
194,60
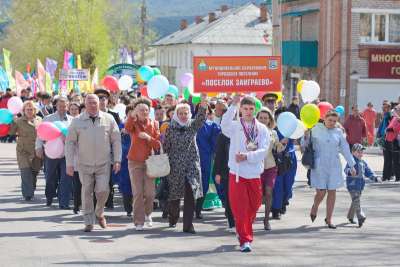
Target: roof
235,26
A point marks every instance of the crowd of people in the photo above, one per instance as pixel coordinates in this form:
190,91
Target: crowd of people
224,138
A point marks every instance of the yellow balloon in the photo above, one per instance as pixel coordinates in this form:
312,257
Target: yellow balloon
212,94
279,94
300,86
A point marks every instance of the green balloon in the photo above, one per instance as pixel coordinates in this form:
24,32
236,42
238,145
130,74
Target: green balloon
156,71
310,115
186,93
196,99
258,105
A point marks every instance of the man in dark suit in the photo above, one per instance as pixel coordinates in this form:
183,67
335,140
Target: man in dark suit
104,97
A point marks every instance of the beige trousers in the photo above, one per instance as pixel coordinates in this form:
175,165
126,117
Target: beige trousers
94,179
143,189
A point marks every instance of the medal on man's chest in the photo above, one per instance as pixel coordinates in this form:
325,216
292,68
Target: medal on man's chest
251,133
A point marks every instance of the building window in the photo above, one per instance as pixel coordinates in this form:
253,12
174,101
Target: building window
394,28
380,25
379,28
365,27
296,28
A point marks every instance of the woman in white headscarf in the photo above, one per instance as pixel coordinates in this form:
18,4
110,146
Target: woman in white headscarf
184,181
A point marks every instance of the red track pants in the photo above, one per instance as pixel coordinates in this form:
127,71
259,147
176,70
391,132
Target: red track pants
245,198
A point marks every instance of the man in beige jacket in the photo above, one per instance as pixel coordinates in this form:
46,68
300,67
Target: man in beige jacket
93,134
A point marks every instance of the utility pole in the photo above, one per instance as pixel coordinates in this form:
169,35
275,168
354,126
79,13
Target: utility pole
276,28
277,33
143,37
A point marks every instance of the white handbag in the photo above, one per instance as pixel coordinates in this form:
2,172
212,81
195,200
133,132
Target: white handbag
157,165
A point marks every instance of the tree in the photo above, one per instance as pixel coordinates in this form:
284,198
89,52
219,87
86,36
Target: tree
42,28
123,18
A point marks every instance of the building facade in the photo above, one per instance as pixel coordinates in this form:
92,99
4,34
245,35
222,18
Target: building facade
354,46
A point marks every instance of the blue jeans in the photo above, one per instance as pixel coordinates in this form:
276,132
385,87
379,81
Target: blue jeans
58,183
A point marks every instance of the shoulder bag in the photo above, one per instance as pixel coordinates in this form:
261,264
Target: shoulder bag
308,159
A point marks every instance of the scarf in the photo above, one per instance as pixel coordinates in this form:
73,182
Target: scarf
179,122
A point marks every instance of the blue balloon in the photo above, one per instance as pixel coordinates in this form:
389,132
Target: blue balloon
62,127
146,73
340,110
287,124
6,117
174,90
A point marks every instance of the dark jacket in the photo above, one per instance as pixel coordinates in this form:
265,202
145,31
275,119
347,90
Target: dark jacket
115,116
222,156
295,109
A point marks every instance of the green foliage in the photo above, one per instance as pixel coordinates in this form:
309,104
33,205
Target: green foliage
42,28
124,21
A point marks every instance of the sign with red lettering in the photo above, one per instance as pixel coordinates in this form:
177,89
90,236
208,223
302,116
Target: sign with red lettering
384,63
237,74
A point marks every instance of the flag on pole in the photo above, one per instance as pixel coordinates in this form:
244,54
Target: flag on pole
3,80
41,73
32,79
51,67
95,79
8,69
84,86
68,60
49,84
20,82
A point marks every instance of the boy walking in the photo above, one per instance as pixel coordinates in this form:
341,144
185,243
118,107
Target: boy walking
249,142
355,184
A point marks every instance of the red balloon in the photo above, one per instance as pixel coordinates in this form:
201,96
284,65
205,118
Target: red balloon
143,91
4,128
324,107
154,103
111,83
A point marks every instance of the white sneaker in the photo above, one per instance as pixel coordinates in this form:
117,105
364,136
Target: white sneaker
245,247
139,228
149,221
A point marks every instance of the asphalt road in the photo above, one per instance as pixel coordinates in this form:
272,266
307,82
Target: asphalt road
32,234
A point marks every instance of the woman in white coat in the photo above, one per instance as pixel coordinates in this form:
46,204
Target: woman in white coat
328,142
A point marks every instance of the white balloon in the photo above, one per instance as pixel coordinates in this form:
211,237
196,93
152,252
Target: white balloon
15,105
157,87
310,91
125,82
54,149
120,109
299,132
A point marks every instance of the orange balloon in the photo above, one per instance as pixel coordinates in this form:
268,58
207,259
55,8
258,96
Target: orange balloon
212,94
139,79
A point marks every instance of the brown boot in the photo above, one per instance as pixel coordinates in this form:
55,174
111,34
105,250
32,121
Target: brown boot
102,222
88,228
